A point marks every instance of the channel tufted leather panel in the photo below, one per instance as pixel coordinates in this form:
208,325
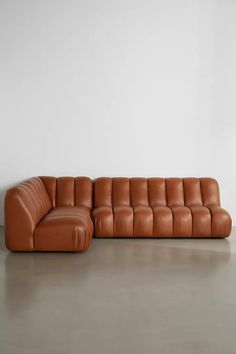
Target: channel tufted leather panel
54,214
49,214
69,191
25,206
158,207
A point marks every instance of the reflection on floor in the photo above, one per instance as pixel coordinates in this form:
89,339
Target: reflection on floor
122,296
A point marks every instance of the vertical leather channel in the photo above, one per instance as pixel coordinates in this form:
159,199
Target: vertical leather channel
103,192
210,192
138,192
156,190
174,191
120,192
192,191
51,185
65,191
84,192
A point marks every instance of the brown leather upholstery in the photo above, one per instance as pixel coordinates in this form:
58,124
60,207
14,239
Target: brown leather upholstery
54,214
158,207
25,205
65,228
49,214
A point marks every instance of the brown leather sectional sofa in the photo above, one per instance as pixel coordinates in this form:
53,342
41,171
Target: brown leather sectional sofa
62,214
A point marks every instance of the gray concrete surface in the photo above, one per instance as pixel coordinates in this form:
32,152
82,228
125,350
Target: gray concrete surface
124,296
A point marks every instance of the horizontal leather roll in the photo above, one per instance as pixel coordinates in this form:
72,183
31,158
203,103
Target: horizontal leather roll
64,229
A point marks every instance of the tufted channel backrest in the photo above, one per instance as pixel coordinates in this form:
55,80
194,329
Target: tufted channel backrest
69,191
33,197
121,191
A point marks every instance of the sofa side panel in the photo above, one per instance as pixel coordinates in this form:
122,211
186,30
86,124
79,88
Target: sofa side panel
25,205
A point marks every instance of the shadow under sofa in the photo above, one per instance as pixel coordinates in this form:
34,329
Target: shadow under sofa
64,213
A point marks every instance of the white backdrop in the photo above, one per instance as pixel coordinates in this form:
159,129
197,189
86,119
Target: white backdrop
118,88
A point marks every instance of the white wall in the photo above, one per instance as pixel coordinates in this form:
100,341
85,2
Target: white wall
118,87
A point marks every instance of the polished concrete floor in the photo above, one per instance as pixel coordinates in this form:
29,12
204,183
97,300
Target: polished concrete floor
121,297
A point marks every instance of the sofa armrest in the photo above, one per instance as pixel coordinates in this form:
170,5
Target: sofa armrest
221,222
25,205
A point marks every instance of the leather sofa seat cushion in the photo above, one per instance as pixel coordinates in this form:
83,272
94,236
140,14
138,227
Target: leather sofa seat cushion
64,229
161,221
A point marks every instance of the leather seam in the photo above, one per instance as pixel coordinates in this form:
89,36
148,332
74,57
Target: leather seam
113,223
191,218
75,202
152,222
56,193
167,204
211,220
183,189
173,222
201,191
